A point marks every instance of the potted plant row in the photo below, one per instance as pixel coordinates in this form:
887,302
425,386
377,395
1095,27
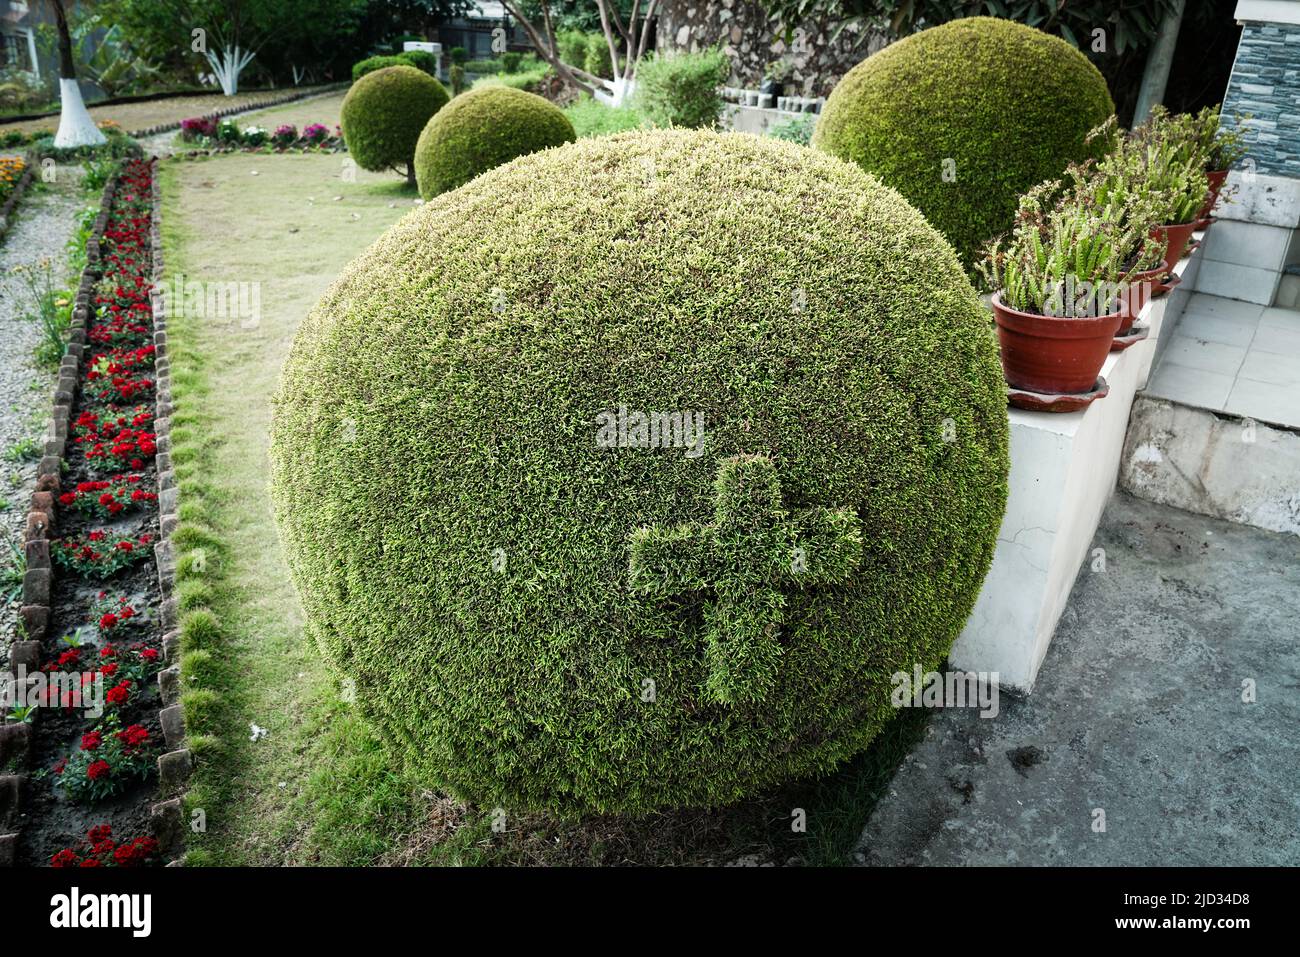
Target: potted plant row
1063,288
1086,254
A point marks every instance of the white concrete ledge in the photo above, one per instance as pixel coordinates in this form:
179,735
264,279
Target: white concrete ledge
1063,471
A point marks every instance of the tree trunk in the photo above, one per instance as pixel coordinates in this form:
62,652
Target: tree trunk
76,128
1159,60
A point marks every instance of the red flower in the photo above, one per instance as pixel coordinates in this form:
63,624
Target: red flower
109,669
67,498
119,693
134,736
149,654
97,770
99,832
65,858
108,621
91,740
69,658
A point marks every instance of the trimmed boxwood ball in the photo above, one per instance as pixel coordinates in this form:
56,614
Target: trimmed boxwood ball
965,117
384,113
544,604
482,129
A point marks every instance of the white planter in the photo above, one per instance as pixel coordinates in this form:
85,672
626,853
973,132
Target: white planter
765,101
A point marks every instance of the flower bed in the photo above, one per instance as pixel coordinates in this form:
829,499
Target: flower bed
100,733
225,136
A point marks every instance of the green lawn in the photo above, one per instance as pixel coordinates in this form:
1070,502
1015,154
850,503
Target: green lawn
318,788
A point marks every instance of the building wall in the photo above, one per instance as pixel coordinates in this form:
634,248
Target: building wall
1265,84
746,35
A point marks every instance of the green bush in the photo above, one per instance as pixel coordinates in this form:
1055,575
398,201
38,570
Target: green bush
530,81
482,129
384,113
596,59
590,117
682,89
458,54
463,545
797,129
510,62
457,77
484,67
421,60
117,145
965,117
371,64
571,45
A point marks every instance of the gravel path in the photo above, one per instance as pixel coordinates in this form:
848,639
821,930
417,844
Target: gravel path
44,220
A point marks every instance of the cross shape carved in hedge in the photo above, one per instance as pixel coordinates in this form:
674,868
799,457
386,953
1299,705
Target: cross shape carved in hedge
751,550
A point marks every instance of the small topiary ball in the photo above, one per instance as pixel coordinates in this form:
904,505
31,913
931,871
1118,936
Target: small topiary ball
384,113
482,129
626,475
965,117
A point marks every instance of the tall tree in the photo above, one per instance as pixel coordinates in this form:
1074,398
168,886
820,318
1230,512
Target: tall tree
76,128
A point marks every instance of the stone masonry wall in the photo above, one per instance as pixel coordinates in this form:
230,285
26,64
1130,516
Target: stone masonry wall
1265,84
746,35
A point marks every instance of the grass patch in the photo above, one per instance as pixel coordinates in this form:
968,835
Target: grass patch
590,117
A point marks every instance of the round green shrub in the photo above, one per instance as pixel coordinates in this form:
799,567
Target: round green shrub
596,59
371,64
421,60
482,129
539,614
965,117
384,113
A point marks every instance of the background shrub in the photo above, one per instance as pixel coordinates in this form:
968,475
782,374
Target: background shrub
458,54
571,45
682,89
482,129
510,62
474,345
590,117
384,113
1008,105
373,63
596,60
421,60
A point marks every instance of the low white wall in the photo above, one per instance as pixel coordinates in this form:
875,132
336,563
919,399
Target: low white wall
1063,471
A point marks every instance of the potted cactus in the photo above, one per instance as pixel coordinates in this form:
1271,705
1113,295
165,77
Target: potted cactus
1061,288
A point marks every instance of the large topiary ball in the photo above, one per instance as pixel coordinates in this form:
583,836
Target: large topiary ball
965,117
610,497
384,113
482,129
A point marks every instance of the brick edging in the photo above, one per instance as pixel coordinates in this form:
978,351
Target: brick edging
16,738
166,817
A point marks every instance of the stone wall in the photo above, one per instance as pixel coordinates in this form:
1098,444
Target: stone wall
746,35
1265,84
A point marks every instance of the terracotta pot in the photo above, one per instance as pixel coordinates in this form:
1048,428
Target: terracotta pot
1051,354
1175,238
1142,288
1216,179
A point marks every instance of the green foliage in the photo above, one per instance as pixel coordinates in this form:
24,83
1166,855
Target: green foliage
571,45
117,145
371,64
462,550
384,112
1165,160
457,76
590,117
458,54
964,118
682,89
797,129
1224,146
530,81
595,58
1070,257
421,60
482,129
510,62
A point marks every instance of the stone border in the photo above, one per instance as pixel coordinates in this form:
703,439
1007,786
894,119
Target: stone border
166,817
16,738
8,209
247,108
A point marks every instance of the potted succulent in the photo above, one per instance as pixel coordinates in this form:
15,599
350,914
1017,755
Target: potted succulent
1164,159
1060,282
1222,147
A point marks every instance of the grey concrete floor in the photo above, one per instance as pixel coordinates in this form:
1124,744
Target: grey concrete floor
1138,714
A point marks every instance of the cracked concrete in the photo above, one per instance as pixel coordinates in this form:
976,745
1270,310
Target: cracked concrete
1137,721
